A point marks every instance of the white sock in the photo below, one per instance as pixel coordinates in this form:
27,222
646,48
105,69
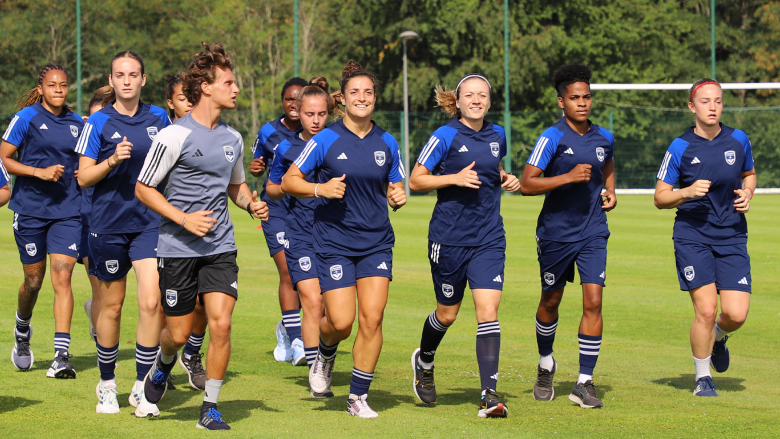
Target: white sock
212,391
186,356
702,367
583,378
546,362
719,333
424,365
167,359
108,383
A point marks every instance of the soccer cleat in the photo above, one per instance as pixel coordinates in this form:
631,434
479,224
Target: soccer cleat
88,310
584,394
320,374
357,406
297,353
21,355
156,381
423,385
60,367
211,419
283,350
543,387
143,408
321,395
195,372
705,387
107,402
719,361
491,406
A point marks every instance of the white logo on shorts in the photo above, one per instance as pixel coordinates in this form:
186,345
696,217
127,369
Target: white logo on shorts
731,157
305,263
447,290
74,130
549,278
280,238
31,249
171,297
336,272
600,154
494,148
689,273
230,155
112,266
379,157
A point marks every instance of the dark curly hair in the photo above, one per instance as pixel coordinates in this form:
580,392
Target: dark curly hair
204,69
300,82
569,74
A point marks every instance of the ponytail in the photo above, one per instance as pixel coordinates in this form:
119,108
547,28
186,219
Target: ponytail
446,99
318,86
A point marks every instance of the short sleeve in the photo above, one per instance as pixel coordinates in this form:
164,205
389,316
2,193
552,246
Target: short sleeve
262,136
17,129
434,151
396,173
611,139
313,154
238,176
748,164
4,177
163,155
543,151
670,166
89,142
502,142
277,170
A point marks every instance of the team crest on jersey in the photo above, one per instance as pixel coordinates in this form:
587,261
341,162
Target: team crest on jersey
305,263
74,130
112,266
731,157
689,273
230,155
280,238
336,272
447,290
31,249
152,132
549,278
171,297
494,148
379,157
600,153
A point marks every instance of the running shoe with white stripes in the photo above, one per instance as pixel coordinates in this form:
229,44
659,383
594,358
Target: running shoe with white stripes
320,374
107,403
61,367
143,408
21,355
195,372
357,406
283,350
211,419
298,354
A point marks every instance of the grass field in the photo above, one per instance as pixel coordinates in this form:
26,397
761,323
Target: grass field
644,374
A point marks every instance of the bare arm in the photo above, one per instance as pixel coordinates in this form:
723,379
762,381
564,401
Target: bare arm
668,198
242,198
90,171
610,199
274,190
745,194
7,150
294,183
198,223
533,184
5,195
422,180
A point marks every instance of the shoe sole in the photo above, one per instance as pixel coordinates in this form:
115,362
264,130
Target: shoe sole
299,362
552,389
576,399
351,413
189,374
322,395
62,374
32,361
491,413
414,373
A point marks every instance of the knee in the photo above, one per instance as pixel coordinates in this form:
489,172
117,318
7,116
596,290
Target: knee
149,305
371,324
179,338
33,284
737,318
550,304
446,319
342,326
592,306
707,315
220,328
111,310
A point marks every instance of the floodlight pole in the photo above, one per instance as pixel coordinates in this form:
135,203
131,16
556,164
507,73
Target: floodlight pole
296,36
408,35
712,31
507,113
78,56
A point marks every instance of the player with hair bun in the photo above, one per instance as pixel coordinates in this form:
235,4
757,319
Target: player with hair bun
713,165
462,163
45,201
358,172
575,156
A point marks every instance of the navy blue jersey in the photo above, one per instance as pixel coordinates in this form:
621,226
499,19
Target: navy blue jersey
268,139
463,216
572,212
357,224
115,209
712,218
4,177
44,140
300,221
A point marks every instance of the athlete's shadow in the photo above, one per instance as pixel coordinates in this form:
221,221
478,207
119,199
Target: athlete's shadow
460,396
11,403
564,388
688,382
234,410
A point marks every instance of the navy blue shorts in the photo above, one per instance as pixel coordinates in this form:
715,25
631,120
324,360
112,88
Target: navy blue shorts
273,229
451,267
301,260
557,259
84,247
336,271
112,255
37,237
699,264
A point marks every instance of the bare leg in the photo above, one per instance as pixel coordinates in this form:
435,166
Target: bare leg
61,275
372,299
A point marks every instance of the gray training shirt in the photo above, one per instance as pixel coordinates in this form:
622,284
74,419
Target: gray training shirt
199,164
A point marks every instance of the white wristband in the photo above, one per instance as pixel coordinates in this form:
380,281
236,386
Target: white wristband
315,190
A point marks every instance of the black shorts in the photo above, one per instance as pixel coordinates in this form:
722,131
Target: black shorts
183,279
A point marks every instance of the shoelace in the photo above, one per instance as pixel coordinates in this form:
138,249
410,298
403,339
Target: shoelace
214,415
109,396
590,388
23,347
544,378
427,377
196,364
159,377
707,384
492,396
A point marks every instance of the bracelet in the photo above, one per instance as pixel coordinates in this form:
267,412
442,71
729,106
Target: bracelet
751,191
315,190
108,162
184,220
251,215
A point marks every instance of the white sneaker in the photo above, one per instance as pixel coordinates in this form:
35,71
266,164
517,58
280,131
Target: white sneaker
107,402
298,354
357,406
143,408
88,310
320,374
283,350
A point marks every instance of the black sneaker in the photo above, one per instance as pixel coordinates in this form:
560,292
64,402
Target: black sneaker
195,372
156,381
170,384
424,387
543,387
61,367
211,419
584,394
491,406
720,356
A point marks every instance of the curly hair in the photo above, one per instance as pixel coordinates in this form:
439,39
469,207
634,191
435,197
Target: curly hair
318,86
33,96
204,69
569,74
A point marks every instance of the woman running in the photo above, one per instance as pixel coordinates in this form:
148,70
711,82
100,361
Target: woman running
123,231
713,166
462,162
46,200
575,156
358,171
264,149
314,105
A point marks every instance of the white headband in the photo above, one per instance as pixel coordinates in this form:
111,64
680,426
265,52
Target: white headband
473,76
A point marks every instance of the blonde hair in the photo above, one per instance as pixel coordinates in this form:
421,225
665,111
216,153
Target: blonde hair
446,99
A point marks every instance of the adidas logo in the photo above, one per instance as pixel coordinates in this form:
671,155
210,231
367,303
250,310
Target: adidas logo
495,377
497,278
342,156
463,149
116,135
382,266
198,154
569,151
602,275
93,234
695,161
234,285
73,247
43,127
743,281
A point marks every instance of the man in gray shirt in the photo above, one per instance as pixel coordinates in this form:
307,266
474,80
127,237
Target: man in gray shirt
202,159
